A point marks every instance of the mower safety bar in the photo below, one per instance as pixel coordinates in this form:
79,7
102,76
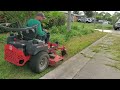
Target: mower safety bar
4,25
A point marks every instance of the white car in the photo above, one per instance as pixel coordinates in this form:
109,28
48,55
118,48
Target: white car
89,20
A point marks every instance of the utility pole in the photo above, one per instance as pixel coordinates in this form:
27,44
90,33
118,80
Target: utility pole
69,21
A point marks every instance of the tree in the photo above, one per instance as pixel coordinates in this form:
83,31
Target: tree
88,13
104,16
115,17
76,12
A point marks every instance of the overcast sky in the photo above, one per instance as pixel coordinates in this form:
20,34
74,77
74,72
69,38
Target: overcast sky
111,12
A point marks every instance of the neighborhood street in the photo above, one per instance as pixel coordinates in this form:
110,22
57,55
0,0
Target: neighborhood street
94,62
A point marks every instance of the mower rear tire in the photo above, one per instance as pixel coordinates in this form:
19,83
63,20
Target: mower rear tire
39,62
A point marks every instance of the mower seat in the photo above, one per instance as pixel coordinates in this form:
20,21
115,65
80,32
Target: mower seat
21,45
29,33
18,44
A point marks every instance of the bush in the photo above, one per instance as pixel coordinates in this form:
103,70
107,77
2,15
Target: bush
54,18
71,34
18,16
58,29
108,27
3,37
58,37
98,26
2,30
59,33
76,30
86,30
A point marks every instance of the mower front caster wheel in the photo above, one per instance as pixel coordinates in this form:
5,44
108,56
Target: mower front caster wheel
39,62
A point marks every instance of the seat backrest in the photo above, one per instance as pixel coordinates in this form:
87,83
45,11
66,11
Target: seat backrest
29,34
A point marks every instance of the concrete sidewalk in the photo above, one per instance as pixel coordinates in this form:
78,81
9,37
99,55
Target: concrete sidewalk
71,68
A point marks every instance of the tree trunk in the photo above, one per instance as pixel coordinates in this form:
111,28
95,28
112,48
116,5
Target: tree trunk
69,21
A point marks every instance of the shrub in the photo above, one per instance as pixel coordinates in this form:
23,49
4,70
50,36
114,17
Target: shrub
71,34
109,27
99,26
58,37
54,18
86,30
58,29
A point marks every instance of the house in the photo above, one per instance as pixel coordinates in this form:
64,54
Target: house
74,17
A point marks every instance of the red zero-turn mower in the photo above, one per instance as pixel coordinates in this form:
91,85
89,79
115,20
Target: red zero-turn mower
23,47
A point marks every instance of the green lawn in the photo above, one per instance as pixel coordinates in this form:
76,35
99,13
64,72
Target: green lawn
73,45
96,26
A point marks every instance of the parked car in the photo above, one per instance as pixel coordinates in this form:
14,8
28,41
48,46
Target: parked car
89,20
100,21
86,20
116,26
81,20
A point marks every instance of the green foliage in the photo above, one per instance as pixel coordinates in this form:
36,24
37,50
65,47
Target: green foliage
17,16
54,18
71,34
107,27
104,16
88,13
76,30
2,37
58,29
76,12
58,37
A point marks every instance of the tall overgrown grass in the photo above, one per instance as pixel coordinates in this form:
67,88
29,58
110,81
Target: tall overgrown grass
61,34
